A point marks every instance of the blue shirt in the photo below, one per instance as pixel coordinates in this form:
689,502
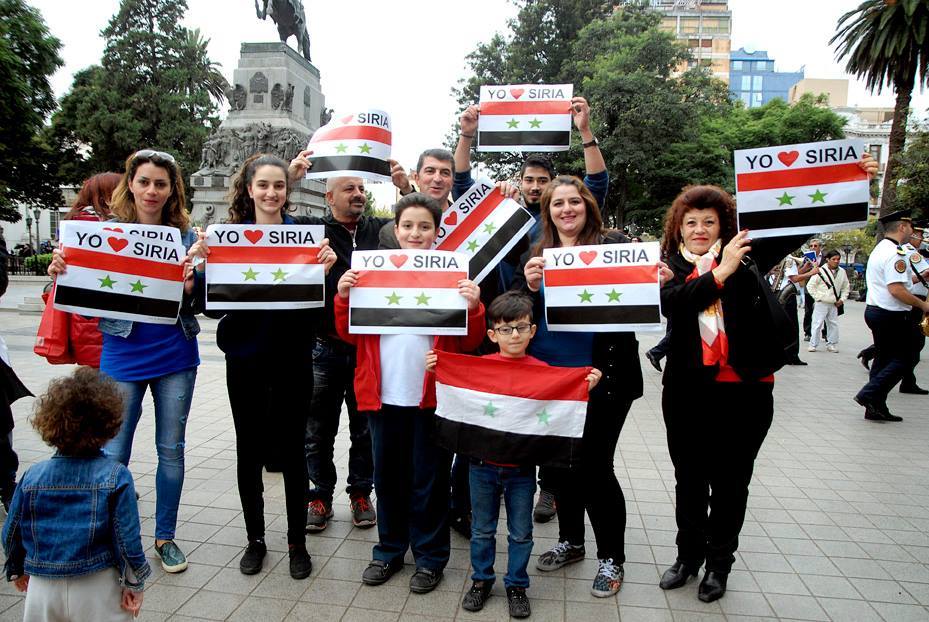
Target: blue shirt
561,349
149,351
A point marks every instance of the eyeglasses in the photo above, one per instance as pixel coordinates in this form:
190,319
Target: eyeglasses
151,154
507,329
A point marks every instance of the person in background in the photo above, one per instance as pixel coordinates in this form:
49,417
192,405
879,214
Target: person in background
816,249
829,287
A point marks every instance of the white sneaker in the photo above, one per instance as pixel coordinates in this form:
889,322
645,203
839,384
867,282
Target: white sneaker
812,348
832,348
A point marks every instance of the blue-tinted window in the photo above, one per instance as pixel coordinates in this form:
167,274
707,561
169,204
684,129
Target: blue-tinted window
746,83
757,83
736,65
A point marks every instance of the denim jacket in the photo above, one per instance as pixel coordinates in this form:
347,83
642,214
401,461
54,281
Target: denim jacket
191,304
75,516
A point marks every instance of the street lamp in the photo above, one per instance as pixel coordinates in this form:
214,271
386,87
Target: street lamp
848,249
37,212
29,226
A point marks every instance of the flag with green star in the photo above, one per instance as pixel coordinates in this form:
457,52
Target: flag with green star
525,117
510,411
264,267
801,189
357,144
602,288
120,274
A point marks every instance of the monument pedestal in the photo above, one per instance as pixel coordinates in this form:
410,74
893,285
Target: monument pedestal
276,104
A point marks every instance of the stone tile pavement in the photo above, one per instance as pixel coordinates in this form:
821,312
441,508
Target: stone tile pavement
837,527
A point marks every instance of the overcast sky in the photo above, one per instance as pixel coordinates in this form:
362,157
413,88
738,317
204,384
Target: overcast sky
404,56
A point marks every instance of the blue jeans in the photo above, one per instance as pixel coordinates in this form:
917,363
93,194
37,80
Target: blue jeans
172,395
517,484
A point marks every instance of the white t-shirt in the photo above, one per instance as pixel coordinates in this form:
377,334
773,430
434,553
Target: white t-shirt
918,264
888,263
403,368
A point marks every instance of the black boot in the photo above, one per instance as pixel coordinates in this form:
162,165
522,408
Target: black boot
677,575
713,586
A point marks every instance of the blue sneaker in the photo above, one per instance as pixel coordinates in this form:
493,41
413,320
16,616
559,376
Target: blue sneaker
172,559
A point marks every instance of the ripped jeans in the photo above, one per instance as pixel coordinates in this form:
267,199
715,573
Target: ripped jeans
172,396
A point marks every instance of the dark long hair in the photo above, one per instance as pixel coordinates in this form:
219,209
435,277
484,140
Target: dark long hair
241,205
174,213
592,233
698,197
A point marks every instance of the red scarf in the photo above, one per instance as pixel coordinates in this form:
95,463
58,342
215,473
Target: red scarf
710,321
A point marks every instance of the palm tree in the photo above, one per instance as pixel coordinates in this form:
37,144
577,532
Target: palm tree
887,43
201,72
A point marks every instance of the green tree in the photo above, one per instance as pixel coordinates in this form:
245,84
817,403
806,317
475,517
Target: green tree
28,56
155,87
913,192
887,43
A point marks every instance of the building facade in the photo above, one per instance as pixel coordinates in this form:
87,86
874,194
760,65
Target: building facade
706,28
753,80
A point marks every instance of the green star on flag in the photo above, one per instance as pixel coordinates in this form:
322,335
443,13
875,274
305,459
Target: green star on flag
365,148
107,282
543,416
819,195
785,199
279,275
490,410
251,275
535,123
512,123
586,296
613,295
340,148
472,246
422,299
393,299
489,227
138,286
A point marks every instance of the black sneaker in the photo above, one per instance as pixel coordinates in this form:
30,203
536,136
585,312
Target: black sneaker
300,563
424,580
476,597
518,602
545,507
318,513
379,571
252,557
559,556
363,514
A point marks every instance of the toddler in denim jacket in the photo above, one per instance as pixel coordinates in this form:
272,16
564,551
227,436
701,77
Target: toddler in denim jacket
72,536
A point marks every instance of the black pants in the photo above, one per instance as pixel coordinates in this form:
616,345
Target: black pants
460,500
808,304
411,477
790,307
663,347
592,485
333,383
892,331
714,433
269,400
9,464
917,341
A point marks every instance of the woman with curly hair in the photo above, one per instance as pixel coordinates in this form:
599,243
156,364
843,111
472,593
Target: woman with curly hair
163,358
269,375
72,536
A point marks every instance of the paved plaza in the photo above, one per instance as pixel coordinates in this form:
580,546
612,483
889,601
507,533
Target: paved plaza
837,525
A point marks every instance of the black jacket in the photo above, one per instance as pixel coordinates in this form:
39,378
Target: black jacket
682,301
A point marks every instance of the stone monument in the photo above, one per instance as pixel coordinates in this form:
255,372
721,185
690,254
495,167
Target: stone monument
276,103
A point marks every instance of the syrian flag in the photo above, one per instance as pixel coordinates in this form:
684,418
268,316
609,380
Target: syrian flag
604,288
408,292
807,188
510,412
264,267
525,117
356,145
484,225
121,271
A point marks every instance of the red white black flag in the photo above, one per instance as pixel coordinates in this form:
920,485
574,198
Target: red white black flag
356,145
525,117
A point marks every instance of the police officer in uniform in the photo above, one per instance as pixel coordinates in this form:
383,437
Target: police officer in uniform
887,314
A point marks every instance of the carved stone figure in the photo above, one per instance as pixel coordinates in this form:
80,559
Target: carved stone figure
226,149
325,116
277,96
288,104
290,19
237,97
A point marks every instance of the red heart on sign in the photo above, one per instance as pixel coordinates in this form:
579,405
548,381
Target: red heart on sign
517,93
348,119
587,256
116,229
788,157
117,244
254,235
398,260
452,219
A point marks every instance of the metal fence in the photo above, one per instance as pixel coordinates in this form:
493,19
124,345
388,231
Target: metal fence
35,265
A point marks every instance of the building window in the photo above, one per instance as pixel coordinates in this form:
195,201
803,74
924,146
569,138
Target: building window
736,65
54,220
756,100
875,151
746,99
746,83
757,83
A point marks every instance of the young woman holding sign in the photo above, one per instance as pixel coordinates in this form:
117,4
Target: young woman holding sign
269,375
571,217
163,358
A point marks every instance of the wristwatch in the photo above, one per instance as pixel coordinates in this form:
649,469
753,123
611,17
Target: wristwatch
592,143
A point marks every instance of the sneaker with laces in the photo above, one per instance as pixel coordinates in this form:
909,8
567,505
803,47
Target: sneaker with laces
476,597
518,601
559,556
252,557
172,558
811,348
300,563
832,348
545,507
608,580
318,513
363,514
